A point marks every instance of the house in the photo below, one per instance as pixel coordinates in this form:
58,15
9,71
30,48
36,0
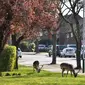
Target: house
65,32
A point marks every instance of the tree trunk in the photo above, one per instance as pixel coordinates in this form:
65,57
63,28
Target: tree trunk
78,55
1,42
14,43
54,49
78,42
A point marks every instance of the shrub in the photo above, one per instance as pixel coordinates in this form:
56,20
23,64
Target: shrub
7,74
14,74
7,58
19,74
31,47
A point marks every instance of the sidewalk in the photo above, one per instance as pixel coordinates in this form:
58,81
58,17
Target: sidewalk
53,68
56,68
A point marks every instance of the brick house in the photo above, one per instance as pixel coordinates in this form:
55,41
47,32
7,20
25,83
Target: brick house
65,33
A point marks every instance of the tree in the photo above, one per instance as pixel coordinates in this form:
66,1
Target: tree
26,18
73,7
34,16
6,16
50,21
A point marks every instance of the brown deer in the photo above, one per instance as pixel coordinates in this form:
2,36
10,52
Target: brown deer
36,66
68,67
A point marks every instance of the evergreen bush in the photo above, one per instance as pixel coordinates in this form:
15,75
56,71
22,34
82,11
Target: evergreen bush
7,58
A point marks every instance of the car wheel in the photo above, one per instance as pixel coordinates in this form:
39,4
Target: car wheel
70,56
73,56
59,55
20,56
49,55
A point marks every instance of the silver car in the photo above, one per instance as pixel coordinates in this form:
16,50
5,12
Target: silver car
68,52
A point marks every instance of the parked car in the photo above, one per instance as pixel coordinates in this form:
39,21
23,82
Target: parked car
61,47
50,51
68,52
42,47
82,52
19,53
50,48
71,45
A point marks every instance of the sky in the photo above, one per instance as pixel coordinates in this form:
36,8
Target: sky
80,13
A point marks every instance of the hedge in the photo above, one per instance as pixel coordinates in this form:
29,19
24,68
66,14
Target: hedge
7,58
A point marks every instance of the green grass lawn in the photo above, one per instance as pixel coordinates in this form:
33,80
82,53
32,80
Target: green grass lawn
27,77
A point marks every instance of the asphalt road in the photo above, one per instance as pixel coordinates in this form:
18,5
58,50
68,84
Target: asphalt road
28,59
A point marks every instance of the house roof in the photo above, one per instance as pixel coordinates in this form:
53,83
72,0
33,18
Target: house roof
65,27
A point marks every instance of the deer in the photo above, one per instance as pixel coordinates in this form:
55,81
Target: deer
68,67
36,66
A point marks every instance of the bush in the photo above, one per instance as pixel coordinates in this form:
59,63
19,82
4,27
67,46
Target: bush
7,58
7,74
31,47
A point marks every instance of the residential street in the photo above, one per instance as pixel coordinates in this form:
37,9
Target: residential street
28,59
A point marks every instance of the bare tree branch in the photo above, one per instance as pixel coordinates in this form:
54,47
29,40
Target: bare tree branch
65,5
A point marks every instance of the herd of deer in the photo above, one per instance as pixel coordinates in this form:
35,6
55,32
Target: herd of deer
64,66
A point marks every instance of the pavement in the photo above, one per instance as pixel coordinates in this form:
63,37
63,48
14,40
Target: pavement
52,68
56,68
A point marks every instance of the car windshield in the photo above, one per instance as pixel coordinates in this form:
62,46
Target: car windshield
61,47
71,45
69,50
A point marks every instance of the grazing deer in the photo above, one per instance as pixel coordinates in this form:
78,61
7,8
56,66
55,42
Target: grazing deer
68,67
36,66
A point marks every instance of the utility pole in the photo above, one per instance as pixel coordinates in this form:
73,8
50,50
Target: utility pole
83,36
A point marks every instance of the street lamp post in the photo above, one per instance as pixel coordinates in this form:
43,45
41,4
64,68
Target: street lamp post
83,35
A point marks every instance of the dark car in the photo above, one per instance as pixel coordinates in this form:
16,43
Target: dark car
42,47
59,49
50,51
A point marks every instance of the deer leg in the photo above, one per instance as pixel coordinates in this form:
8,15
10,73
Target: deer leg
67,73
71,73
63,72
